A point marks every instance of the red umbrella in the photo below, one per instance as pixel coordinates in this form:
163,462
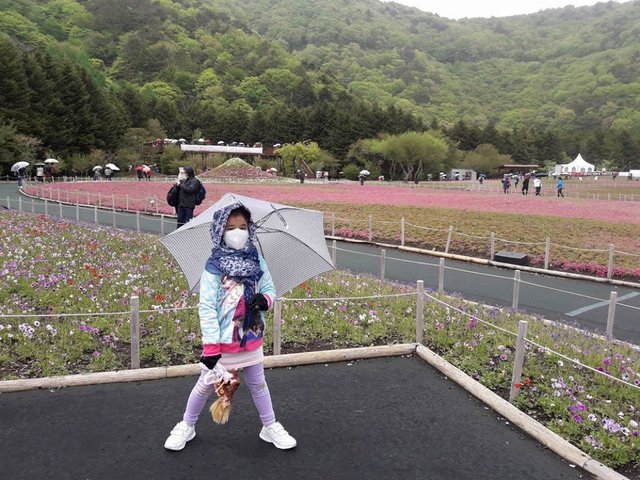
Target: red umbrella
139,168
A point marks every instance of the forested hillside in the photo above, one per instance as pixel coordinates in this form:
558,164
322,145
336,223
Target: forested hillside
77,76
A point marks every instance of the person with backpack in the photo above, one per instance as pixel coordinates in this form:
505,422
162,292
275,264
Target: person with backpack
173,193
188,188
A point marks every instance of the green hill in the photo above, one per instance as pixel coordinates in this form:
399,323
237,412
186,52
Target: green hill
332,71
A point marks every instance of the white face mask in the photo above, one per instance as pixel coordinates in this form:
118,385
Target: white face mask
182,176
236,238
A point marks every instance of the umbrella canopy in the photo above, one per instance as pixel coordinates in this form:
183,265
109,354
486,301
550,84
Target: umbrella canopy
139,168
146,169
290,239
51,160
112,167
18,165
541,174
97,167
364,172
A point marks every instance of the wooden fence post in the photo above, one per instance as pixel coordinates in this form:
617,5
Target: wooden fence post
77,212
613,298
95,214
383,256
370,227
518,360
333,224
446,249
441,276
420,312
612,252
277,323
492,248
516,290
137,221
547,252
402,231
334,252
46,208
135,331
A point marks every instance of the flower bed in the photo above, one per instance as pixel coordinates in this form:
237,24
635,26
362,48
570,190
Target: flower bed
236,169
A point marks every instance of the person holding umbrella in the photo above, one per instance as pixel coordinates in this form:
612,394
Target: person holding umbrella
20,169
236,288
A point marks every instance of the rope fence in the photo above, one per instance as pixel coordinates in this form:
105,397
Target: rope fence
420,293
167,224
517,282
342,227
520,353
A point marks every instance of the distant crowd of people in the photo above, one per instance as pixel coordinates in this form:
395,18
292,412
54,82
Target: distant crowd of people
527,179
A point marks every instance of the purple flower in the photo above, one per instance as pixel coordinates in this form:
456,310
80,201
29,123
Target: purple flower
577,418
504,357
472,323
606,361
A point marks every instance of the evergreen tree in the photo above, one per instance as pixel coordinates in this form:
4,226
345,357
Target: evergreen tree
14,93
41,93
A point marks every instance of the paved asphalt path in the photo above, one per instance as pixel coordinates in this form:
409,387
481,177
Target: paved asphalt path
387,418
547,298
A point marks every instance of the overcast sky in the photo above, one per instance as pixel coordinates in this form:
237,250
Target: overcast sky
490,8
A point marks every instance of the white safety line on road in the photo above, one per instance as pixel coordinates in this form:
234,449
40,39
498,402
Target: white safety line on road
593,306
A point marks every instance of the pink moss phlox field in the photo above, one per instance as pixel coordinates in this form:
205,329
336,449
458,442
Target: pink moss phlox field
612,211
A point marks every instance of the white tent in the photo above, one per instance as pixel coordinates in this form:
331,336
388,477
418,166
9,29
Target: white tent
579,165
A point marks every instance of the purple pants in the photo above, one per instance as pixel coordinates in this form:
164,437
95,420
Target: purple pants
253,376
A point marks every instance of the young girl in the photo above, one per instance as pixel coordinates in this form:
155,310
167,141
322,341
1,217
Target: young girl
235,289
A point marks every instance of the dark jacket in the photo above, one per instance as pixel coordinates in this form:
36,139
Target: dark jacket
187,192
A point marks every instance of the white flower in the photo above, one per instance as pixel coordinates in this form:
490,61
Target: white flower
560,363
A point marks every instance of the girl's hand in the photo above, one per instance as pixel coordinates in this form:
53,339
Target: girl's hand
210,362
258,301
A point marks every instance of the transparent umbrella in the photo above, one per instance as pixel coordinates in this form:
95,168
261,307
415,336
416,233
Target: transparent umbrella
18,165
290,239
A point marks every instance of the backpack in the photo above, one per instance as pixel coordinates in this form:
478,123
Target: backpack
172,196
201,193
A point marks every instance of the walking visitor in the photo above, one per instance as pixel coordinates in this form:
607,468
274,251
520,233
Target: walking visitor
560,187
537,184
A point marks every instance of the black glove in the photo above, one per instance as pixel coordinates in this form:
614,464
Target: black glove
258,301
210,362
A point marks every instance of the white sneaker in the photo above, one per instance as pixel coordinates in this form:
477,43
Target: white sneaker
276,434
179,436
